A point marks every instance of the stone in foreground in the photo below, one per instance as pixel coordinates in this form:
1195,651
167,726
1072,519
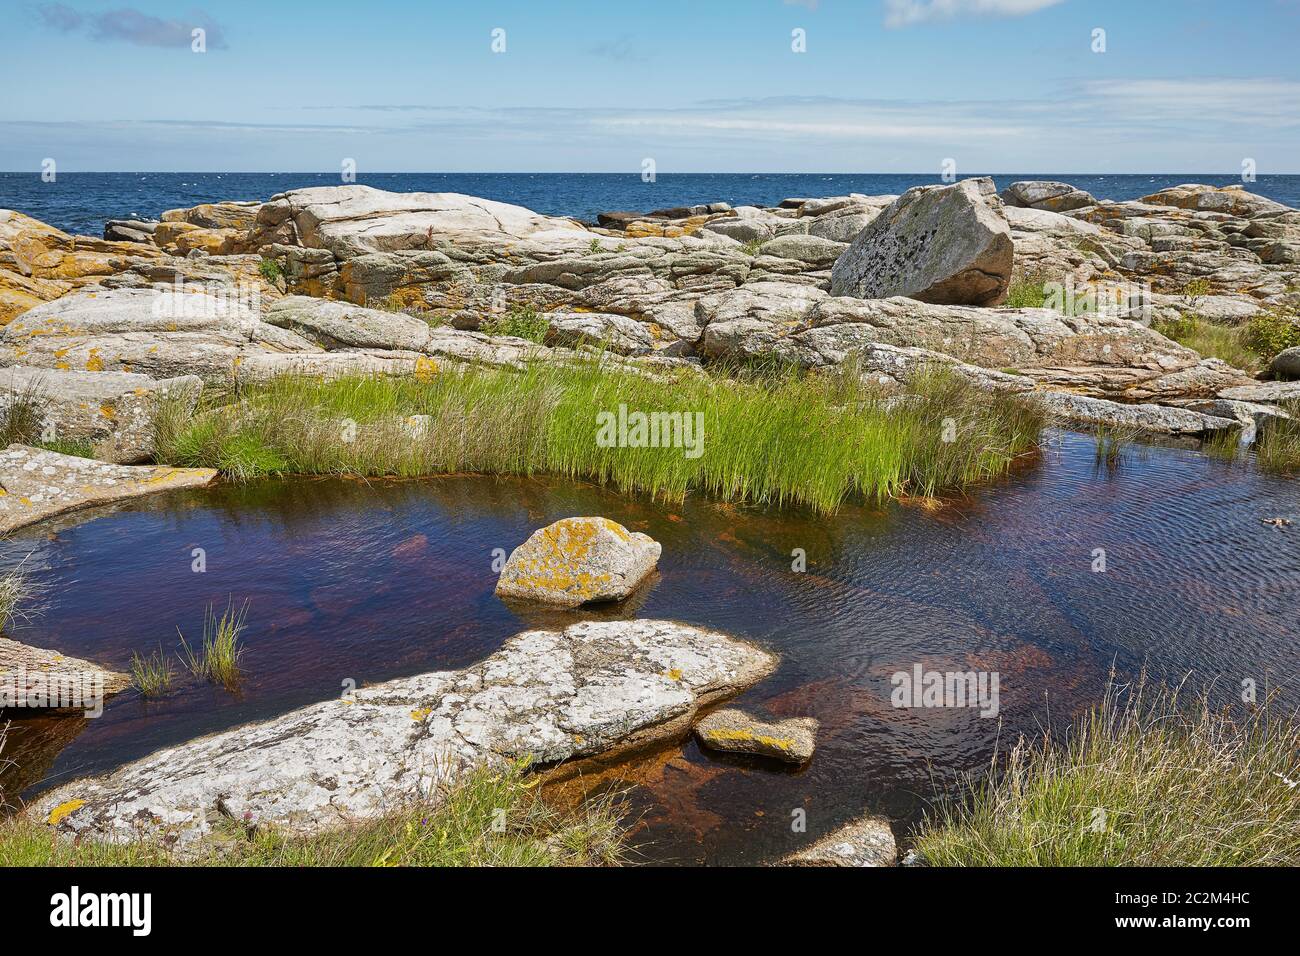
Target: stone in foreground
734,731
948,245
865,842
593,688
1286,364
579,561
36,484
42,673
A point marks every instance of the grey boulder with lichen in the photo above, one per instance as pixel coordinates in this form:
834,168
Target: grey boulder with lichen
595,688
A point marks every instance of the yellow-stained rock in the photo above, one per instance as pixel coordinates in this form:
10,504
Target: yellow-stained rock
578,561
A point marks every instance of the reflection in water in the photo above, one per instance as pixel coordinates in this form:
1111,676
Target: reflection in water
349,580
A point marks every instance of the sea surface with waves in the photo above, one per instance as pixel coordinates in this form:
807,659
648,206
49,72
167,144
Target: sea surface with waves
82,202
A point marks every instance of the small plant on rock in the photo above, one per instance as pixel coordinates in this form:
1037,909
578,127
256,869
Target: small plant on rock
524,323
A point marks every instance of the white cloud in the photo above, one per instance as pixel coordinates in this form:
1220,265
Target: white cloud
903,13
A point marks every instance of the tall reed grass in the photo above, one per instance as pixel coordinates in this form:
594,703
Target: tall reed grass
806,439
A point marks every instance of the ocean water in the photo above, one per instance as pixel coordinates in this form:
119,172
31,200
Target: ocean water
82,202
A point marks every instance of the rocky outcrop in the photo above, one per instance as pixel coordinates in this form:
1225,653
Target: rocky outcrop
792,740
940,244
579,561
113,411
592,689
865,842
36,484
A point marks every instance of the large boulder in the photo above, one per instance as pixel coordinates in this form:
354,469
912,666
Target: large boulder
1042,194
1286,364
579,561
113,411
939,244
354,220
595,688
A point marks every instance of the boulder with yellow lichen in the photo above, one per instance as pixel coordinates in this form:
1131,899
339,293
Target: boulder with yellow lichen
578,561
734,731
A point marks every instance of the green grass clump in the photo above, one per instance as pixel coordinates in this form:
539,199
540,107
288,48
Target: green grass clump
489,818
16,595
1277,447
1272,331
22,418
76,447
1140,781
270,270
216,659
525,323
1026,292
789,438
152,675
753,247
1212,341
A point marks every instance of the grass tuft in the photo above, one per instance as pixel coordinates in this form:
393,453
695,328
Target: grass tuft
787,438
1213,341
1142,780
492,817
152,675
1272,331
1277,447
525,323
217,658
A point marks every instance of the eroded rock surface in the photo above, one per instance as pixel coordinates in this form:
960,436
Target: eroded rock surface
942,244
37,484
42,671
113,411
593,688
579,561
865,842
792,740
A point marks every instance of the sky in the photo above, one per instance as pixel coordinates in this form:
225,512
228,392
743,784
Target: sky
1195,86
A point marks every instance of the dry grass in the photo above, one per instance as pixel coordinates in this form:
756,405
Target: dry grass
1145,779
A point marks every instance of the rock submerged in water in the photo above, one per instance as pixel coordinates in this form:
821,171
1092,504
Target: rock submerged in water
947,245
734,731
579,561
594,689
865,842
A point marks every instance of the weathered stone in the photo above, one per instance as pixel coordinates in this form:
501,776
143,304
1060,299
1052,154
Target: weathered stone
1265,392
1286,364
339,325
865,842
578,561
37,667
36,484
1229,199
1052,196
130,230
1081,410
594,688
114,411
792,740
940,244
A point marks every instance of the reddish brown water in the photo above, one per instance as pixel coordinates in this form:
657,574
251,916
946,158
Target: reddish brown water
348,580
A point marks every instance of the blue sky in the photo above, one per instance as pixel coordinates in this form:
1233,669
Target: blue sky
696,85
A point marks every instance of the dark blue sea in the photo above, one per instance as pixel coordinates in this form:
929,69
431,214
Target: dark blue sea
81,202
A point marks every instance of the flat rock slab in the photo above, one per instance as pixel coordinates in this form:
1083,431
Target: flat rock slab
1266,392
865,842
593,688
579,561
734,731
28,674
36,484
1158,419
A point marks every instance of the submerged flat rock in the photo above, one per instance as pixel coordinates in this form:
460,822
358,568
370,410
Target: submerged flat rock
593,688
865,842
36,484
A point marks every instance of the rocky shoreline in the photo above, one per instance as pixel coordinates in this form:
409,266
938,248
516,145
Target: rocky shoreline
344,280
